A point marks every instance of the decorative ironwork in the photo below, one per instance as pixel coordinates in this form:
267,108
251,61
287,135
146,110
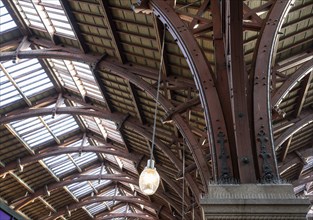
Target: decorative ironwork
266,167
225,176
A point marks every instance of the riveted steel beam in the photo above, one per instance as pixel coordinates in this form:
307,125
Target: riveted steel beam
292,80
71,110
292,130
98,199
111,66
263,57
108,215
98,149
242,112
294,158
204,81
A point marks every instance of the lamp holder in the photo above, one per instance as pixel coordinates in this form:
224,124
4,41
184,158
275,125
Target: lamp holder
150,163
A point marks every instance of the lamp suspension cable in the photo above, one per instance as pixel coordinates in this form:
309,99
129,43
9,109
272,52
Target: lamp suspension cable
157,96
149,178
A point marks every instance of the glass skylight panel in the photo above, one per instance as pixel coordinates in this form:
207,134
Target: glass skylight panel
99,207
8,93
112,131
62,164
78,77
28,75
46,15
6,21
34,134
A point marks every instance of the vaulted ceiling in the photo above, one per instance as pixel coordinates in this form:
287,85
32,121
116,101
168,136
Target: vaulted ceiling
78,84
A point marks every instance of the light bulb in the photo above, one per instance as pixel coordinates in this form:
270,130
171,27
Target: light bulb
149,179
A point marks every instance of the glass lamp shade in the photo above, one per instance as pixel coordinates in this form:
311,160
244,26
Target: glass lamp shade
149,179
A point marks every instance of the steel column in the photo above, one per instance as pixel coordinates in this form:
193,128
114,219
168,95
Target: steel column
267,165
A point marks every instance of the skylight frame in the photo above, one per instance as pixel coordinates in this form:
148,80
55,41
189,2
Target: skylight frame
42,15
9,23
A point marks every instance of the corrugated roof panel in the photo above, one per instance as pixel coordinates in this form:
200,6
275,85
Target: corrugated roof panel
6,21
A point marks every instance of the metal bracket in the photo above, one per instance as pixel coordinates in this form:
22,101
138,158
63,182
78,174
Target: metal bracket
93,66
267,170
121,122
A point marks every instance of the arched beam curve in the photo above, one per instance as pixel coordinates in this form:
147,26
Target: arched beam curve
305,153
292,80
202,73
266,47
125,215
81,177
97,149
80,111
293,129
97,199
112,66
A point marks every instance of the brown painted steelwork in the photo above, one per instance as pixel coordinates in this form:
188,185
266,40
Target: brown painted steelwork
73,110
242,113
222,85
292,80
98,199
112,67
98,149
125,215
261,95
202,73
293,129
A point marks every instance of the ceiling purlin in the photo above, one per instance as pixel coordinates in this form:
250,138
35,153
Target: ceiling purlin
175,187
308,118
107,16
128,199
180,122
125,215
263,60
285,148
81,177
304,88
97,149
106,149
291,82
294,158
74,25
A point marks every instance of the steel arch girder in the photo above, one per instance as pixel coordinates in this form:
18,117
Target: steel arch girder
127,199
261,87
115,116
202,73
305,69
112,66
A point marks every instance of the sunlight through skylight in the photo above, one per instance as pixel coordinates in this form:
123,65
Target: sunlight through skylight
25,77
45,15
6,21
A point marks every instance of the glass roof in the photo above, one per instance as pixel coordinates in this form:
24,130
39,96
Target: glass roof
77,77
35,131
6,21
22,79
45,15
